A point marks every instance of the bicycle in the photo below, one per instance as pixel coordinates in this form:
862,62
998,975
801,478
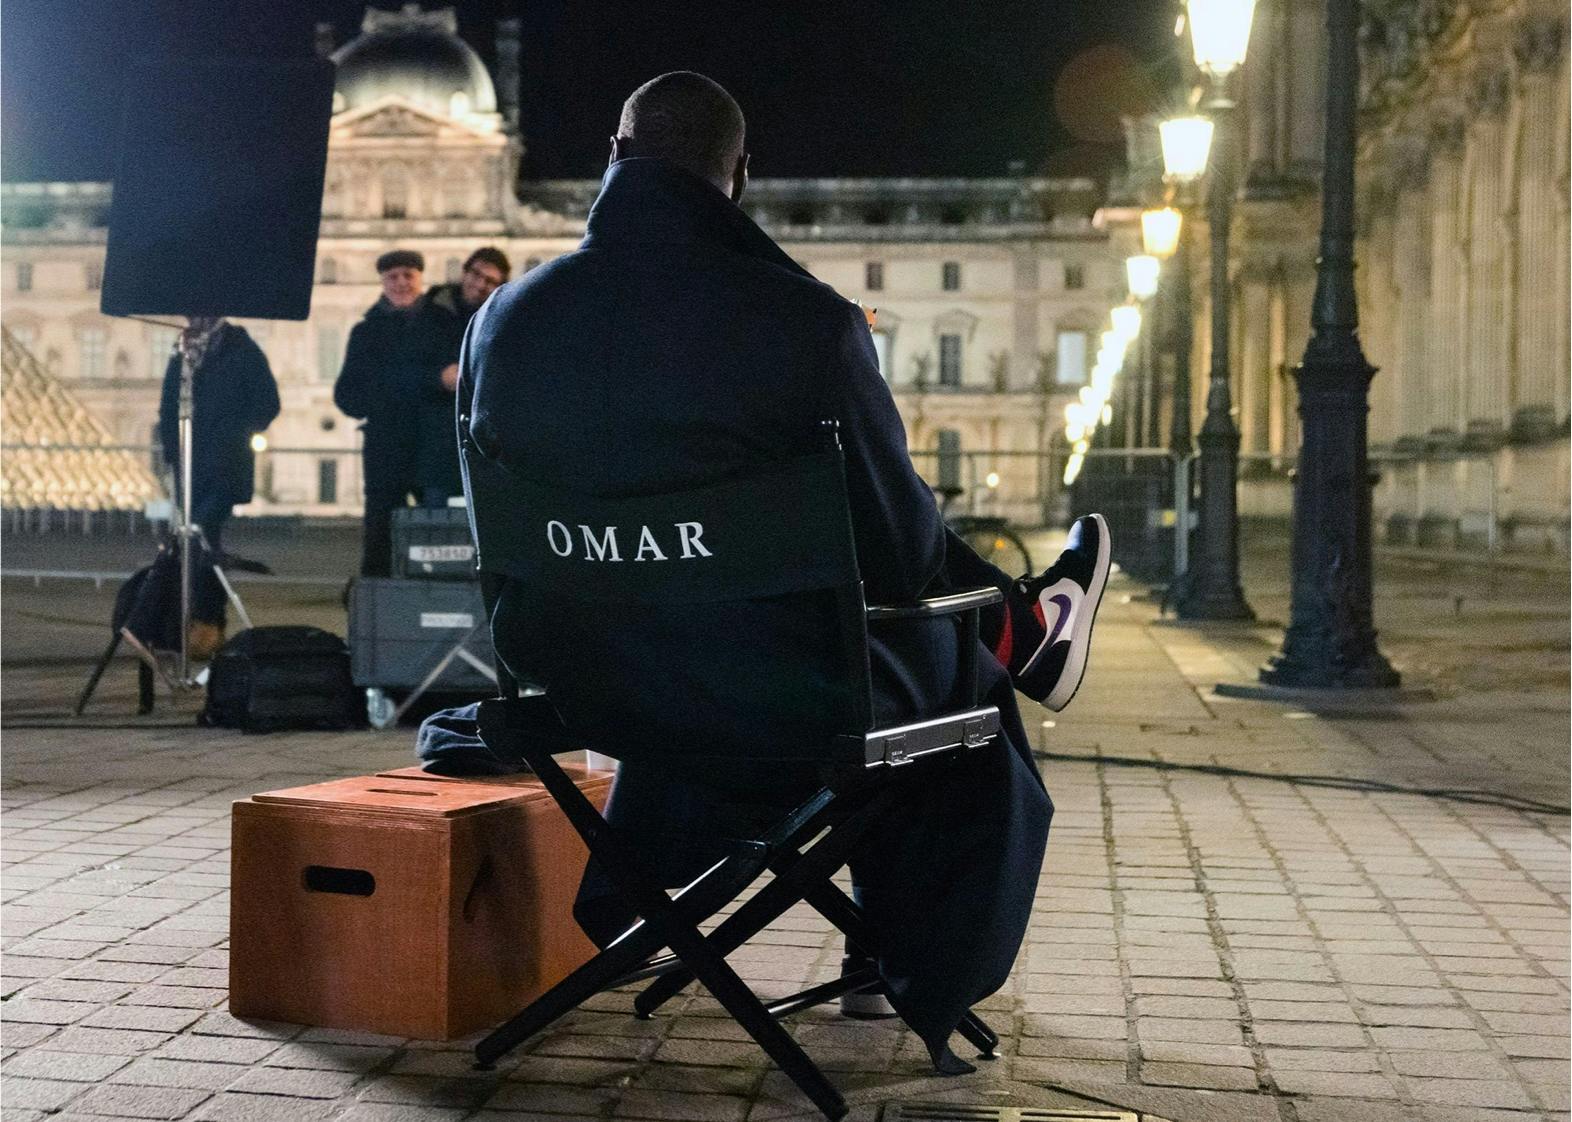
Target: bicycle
989,535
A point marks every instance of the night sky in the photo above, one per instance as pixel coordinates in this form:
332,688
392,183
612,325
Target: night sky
878,87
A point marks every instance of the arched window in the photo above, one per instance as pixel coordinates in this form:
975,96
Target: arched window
458,104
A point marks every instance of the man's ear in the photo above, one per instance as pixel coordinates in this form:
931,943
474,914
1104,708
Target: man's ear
616,150
739,178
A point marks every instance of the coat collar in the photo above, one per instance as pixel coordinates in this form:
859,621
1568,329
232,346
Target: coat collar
645,200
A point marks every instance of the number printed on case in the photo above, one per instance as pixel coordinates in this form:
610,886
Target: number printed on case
428,553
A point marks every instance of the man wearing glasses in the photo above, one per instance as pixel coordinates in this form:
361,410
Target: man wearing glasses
449,308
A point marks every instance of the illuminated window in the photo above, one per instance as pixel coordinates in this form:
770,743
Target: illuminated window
1074,276
881,347
873,276
1070,367
330,352
458,104
395,193
952,276
94,342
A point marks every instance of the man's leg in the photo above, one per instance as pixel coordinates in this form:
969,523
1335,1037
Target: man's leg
376,535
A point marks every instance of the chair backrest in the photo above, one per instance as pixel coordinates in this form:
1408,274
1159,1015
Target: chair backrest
785,529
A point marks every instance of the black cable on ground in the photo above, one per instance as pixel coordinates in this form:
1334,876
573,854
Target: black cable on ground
1335,782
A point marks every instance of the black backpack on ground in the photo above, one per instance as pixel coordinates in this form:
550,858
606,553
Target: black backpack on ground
272,678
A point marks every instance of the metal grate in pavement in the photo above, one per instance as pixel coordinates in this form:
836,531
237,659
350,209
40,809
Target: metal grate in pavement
962,1112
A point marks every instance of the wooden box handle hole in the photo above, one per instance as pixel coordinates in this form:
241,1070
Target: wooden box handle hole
345,882
400,791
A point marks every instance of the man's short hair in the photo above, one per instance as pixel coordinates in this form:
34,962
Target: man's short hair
400,259
688,119
493,256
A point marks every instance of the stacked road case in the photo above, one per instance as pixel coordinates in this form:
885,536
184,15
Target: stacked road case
424,628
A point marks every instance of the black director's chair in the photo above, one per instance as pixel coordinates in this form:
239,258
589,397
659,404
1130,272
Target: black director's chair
785,531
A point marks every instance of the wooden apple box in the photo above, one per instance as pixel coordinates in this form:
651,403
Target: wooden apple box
404,903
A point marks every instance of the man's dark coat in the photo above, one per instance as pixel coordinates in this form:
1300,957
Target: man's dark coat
233,397
394,356
436,452
677,347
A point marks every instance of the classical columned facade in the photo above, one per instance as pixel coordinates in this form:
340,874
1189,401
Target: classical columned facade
1463,175
1462,261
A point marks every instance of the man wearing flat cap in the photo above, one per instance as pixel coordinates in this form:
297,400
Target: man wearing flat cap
393,352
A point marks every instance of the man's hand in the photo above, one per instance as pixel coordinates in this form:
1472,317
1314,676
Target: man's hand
449,377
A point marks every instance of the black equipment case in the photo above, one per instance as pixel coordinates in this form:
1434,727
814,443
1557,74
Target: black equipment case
401,630
272,678
433,544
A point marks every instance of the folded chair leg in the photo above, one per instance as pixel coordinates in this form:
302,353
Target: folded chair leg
842,911
749,1012
790,885
578,987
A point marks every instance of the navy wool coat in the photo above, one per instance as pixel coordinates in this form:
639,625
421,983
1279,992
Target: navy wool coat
677,347
233,397
391,371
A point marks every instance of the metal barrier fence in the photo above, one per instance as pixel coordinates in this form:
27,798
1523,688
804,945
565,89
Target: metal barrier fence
1429,499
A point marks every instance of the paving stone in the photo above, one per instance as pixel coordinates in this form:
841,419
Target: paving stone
1198,1075
150,1071
638,1103
228,1106
1220,1055
302,1083
1469,1092
1340,1084
77,1067
1320,1059
1309,1035
143,1017
124,1101
37,1094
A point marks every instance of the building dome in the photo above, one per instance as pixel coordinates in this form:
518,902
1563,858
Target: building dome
416,55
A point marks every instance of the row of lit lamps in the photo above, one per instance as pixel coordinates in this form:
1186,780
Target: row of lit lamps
1219,33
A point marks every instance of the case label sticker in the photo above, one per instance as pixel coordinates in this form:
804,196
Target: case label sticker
447,620
428,553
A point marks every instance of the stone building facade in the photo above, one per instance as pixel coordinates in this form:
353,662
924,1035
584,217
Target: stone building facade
990,292
1462,261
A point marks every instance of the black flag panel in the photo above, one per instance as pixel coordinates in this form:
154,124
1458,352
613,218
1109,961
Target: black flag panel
218,193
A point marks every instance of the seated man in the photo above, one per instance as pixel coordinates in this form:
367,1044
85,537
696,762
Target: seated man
679,346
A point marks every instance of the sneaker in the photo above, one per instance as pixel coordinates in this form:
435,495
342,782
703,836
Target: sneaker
868,1003
1057,610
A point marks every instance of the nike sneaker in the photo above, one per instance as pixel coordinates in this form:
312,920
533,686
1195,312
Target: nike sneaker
1051,617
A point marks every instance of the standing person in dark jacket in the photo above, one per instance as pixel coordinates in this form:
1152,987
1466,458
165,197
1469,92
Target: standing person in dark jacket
679,347
233,397
448,309
392,354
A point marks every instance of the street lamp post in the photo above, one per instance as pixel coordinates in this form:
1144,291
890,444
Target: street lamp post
1219,30
1330,642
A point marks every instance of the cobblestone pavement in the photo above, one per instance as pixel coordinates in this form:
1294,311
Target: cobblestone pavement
1205,946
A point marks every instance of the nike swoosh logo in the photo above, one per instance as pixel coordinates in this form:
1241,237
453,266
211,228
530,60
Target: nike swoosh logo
1065,606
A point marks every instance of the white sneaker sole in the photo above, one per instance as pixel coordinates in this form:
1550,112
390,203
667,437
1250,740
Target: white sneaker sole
1081,630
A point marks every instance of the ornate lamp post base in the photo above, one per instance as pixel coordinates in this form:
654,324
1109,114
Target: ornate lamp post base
1330,641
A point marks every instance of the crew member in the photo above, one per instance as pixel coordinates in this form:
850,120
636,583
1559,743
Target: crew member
392,353
449,308
233,397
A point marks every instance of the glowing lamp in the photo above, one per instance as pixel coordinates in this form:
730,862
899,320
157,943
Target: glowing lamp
1126,321
1160,231
1187,142
259,443
1140,273
992,479
1220,34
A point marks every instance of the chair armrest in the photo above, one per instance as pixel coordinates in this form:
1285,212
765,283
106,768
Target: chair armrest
951,603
